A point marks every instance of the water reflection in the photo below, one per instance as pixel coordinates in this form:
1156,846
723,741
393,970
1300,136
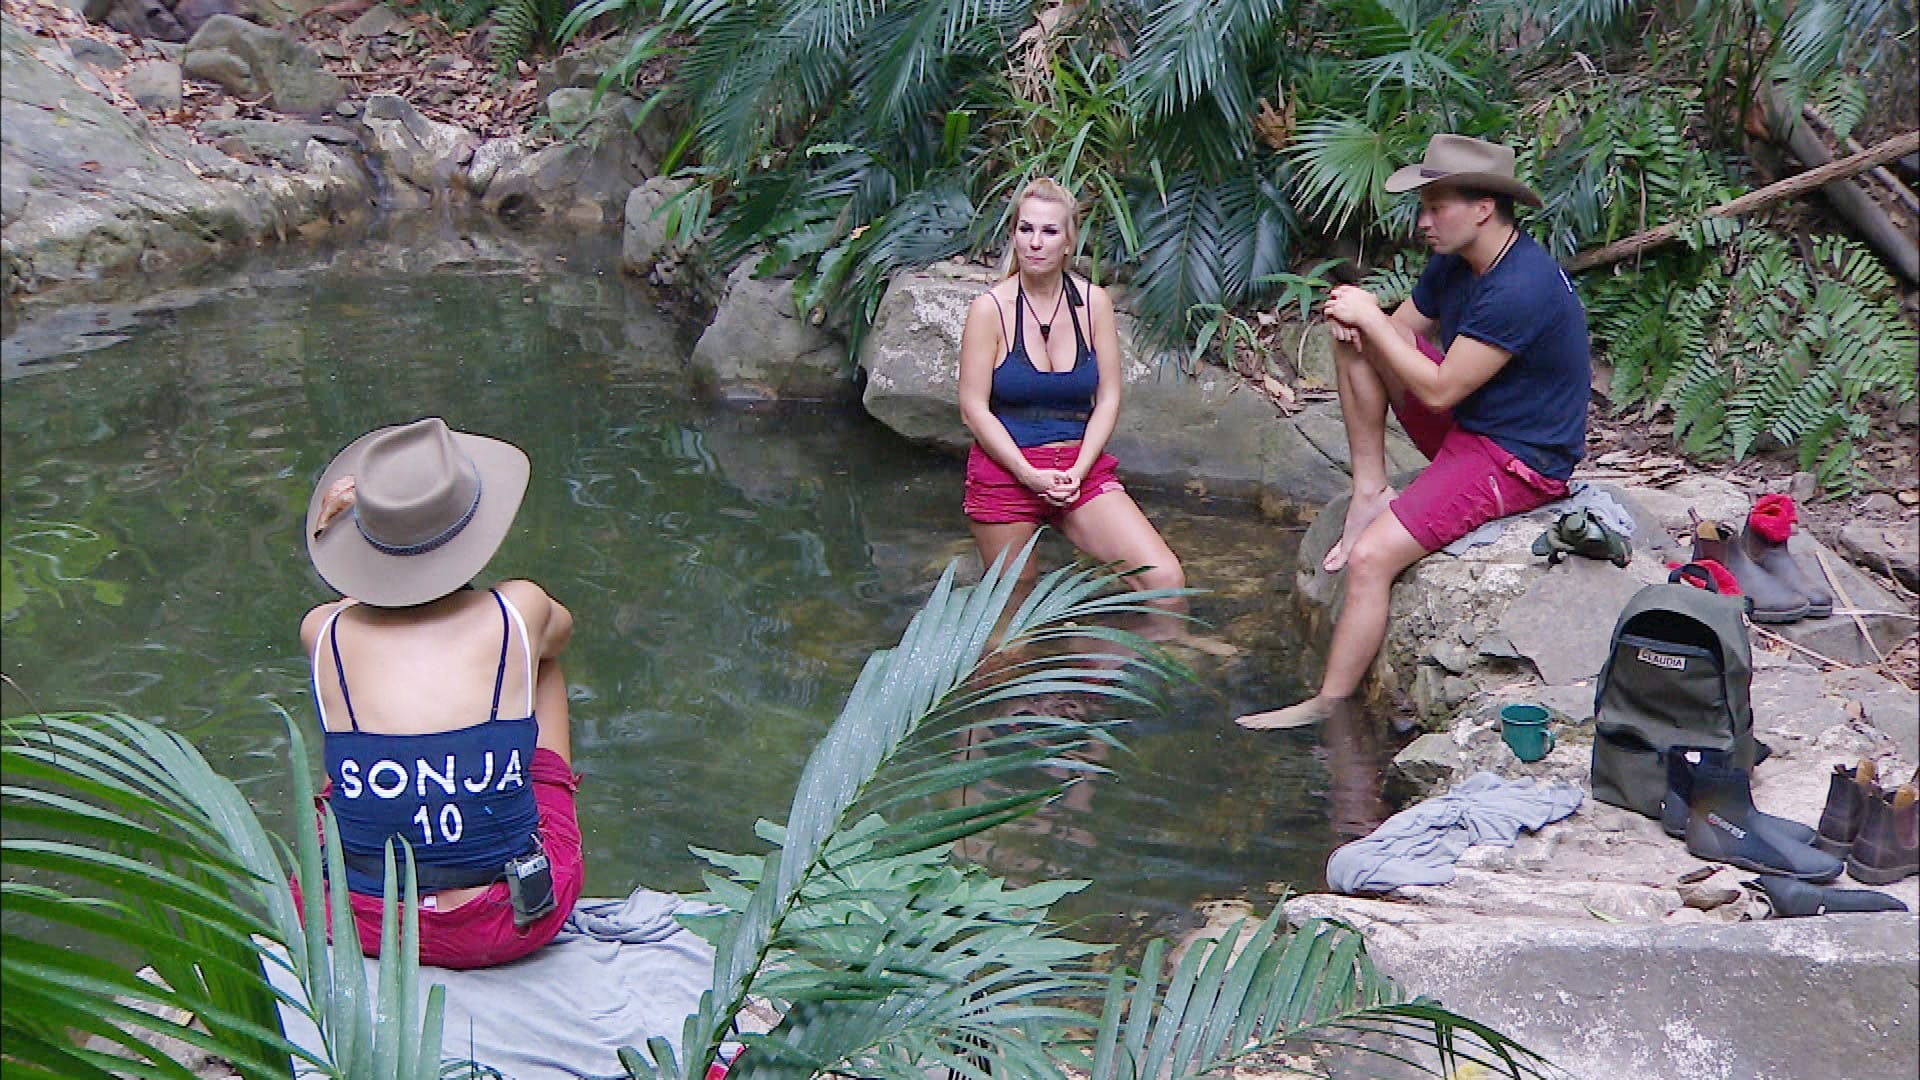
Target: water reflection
730,572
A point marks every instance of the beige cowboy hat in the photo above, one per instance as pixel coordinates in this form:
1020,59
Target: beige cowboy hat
1458,161
428,507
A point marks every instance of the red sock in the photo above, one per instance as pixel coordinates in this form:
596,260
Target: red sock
1772,517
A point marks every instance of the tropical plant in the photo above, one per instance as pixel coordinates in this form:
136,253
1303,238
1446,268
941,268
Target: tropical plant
520,27
884,957
1753,343
120,834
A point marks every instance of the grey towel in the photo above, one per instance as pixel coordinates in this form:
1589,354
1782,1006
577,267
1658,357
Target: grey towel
1419,845
621,972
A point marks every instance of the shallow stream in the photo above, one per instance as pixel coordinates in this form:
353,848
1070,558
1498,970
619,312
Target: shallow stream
730,571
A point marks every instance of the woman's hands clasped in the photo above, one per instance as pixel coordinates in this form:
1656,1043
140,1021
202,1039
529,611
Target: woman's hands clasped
1059,487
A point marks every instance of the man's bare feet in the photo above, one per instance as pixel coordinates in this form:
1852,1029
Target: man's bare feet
1361,510
1311,711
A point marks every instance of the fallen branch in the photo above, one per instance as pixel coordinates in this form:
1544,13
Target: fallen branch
1852,165
1908,200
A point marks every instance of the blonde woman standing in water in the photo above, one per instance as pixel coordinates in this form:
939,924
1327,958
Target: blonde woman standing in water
1040,391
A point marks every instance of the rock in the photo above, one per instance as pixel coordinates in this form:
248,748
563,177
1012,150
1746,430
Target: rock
1884,706
101,54
1893,550
580,67
570,107
759,348
1563,622
584,180
1803,486
1175,429
1312,361
1711,497
193,14
145,19
283,143
1838,636
1709,894
253,61
155,85
1829,997
425,154
1879,504
488,158
375,21
1428,765
644,239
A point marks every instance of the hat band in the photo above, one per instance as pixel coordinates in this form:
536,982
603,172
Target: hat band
423,546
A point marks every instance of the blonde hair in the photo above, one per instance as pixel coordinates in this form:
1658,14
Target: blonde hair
1045,189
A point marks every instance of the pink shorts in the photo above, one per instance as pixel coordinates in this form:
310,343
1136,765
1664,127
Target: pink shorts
996,497
480,933
1471,479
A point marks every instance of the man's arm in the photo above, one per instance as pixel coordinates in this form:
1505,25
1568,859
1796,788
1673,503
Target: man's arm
1469,365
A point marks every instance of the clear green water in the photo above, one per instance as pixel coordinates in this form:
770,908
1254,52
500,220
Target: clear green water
730,571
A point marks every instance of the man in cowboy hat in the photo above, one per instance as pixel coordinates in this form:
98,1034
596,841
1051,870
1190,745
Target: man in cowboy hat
1487,368
442,707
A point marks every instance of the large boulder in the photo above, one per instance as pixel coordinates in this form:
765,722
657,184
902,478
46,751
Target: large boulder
253,61
1200,431
87,190
643,241
1833,997
421,157
759,349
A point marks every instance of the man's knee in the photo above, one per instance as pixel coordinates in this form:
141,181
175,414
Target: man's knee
1378,561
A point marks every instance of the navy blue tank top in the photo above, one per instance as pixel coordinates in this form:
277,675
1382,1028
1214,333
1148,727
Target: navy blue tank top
1039,407
462,798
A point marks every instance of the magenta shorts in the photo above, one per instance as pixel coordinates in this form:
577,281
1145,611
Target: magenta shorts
996,497
1471,479
480,933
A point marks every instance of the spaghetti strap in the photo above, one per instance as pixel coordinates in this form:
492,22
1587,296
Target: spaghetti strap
500,670
332,636
526,645
1009,338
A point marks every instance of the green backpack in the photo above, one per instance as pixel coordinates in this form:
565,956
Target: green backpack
1680,673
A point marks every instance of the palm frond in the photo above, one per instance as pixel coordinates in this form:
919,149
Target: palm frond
1207,243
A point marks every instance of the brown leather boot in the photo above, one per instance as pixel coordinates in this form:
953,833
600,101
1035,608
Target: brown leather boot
1773,600
1775,559
1888,847
1847,793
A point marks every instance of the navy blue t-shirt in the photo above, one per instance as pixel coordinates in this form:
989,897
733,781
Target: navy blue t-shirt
1535,406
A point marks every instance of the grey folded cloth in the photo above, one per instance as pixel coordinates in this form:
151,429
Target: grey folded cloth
1580,496
621,972
1419,845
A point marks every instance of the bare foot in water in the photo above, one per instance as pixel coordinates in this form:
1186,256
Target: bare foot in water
1361,510
1311,711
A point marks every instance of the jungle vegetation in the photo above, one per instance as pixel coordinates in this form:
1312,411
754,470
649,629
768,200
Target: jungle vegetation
1219,146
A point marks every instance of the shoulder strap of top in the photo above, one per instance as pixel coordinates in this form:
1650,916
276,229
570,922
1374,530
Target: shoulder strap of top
1019,319
526,646
330,635
1076,300
500,669
1004,336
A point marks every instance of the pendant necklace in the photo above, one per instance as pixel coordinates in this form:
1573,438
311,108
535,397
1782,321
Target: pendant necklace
1046,325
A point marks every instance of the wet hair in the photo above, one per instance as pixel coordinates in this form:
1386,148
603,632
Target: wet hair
1502,202
1044,189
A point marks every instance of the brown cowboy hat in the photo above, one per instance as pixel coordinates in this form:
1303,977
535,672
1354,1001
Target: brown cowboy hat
1458,161
429,507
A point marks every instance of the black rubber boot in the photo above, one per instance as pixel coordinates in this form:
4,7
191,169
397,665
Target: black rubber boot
1792,899
1888,847
1773,600
1723,826
1847,793
1673,808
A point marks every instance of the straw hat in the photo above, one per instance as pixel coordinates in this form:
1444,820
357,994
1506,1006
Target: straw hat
430,506
1457,161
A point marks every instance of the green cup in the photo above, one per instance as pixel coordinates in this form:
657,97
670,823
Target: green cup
1524,729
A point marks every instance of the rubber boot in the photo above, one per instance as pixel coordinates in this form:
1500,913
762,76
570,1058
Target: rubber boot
1775,559
1888,847
1847,793
1773,600
1723,826
1673,808
1792,899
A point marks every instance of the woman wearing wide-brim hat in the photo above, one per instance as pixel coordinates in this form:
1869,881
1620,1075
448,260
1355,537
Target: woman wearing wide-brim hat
443,708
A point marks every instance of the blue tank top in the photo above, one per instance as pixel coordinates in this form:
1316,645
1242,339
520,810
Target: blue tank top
462,798
1039,407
